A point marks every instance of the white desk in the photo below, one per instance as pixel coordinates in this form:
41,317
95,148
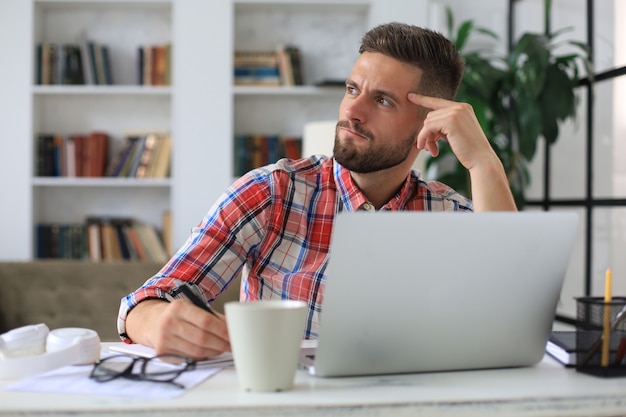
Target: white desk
547,389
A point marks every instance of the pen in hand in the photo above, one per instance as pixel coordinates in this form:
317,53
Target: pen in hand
191,296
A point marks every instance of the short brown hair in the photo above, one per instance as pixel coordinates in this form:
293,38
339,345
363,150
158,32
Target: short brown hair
430,51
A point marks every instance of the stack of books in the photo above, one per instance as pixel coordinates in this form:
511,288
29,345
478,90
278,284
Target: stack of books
58,64
154,66
256,150
562,345
143,155
281,66
104,239
78,155
96,61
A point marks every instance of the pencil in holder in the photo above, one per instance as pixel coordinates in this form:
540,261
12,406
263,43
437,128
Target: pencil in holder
601,336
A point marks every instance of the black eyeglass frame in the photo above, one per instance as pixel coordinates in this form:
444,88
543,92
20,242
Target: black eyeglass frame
100,373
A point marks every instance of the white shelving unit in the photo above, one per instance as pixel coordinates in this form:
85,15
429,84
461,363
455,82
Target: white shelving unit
122,107
186,109
327,34
201,108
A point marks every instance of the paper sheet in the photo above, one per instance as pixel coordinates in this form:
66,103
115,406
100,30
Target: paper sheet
75,380
225,358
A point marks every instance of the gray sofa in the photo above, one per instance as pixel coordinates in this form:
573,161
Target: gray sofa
73,293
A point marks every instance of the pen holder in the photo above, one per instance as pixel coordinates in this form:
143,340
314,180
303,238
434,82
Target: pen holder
597,320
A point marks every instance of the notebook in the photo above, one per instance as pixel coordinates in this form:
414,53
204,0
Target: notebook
421,292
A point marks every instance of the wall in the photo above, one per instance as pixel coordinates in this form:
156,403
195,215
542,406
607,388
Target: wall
569,153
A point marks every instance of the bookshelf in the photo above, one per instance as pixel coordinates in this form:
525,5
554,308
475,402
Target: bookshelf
327,35
201,108
181,108
120,106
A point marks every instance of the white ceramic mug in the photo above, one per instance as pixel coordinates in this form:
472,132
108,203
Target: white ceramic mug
265,337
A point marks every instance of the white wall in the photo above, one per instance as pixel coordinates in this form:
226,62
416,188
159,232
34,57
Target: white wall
569,153
15,119
619,143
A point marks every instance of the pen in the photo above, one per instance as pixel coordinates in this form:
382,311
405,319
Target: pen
191,296
621,351
606,325
621,316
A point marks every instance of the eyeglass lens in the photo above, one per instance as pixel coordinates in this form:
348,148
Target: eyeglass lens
163,368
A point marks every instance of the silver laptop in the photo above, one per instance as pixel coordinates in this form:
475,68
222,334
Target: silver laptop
422,292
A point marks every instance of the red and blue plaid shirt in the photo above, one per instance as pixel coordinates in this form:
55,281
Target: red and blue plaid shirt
274,226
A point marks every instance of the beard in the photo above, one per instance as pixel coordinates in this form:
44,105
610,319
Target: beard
374,157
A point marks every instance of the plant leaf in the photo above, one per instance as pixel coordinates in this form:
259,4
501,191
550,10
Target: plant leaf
487,32
462,34
449,21
529,124
517,97
558,99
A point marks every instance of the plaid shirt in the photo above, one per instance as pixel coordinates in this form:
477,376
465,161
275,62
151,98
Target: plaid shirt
275,223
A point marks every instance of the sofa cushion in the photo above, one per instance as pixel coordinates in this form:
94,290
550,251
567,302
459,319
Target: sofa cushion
74,294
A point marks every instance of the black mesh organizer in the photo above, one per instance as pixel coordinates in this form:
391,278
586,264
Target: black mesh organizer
593,313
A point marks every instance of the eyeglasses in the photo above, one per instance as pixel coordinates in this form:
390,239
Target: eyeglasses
160,368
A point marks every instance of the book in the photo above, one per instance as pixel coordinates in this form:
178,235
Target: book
94,242
130,163
119,160
292,147
296,64
47,62
285,69
151,242
79,153
45,155
88,70
167,232
106,65
95,154
110,247
147,65
71,68
131,233
562,347
162,159
43,233
147,155
159,64
99,60
91,52
70,157
78,241
59,156
140,64
256,68
127,250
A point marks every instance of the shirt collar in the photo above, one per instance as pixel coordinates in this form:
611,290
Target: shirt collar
353,199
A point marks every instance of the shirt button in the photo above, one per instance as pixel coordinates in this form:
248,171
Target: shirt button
367,206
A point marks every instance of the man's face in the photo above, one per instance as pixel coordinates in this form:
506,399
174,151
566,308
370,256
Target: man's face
377,124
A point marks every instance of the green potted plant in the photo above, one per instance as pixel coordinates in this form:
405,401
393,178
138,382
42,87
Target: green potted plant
518,98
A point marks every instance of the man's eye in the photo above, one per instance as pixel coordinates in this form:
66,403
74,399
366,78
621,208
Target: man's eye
384,101
351,90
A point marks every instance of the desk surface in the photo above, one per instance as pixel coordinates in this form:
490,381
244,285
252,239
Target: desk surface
545,389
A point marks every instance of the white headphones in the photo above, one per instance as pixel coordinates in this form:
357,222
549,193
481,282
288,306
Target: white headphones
34,349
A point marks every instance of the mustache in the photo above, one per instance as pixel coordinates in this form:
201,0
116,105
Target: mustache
357,128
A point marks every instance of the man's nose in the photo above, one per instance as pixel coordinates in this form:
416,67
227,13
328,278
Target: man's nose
356,109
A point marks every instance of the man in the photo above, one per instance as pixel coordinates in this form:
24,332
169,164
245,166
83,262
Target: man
275,222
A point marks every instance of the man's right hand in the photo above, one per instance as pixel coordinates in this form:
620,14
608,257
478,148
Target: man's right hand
178,327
